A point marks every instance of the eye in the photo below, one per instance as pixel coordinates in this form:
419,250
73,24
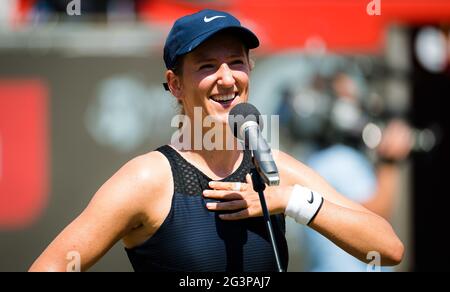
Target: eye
206,66
237,62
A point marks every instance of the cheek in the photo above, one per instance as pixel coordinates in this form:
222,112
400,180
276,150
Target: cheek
204,85
191,89
242,78
196,92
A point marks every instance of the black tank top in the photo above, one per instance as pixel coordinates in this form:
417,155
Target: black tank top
192,238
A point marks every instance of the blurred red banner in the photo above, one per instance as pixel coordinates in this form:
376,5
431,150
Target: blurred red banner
339,25
23,152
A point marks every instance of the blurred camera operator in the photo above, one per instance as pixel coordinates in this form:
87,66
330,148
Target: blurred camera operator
342,159
394,146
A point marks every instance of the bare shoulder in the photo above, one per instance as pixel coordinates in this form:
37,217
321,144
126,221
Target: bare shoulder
116,210
282,157
137,184
135,196
147,169
141,177
149,183
292,170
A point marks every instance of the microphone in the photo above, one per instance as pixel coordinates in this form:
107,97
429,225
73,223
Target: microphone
246,124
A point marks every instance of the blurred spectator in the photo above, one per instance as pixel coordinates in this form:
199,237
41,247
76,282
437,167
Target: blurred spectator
336,126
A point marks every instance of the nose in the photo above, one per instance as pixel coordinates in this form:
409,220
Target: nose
226,78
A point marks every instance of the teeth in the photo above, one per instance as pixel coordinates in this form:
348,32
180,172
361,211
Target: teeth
223,97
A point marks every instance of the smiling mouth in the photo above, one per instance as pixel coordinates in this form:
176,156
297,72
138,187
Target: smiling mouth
224,98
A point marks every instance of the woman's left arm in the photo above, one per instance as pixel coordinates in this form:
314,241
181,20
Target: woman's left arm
349,225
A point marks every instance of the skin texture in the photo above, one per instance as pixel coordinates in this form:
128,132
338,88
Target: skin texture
134,202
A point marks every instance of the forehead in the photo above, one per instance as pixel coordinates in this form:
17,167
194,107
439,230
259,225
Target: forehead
220,45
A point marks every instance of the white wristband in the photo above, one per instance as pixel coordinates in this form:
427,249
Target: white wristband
303,205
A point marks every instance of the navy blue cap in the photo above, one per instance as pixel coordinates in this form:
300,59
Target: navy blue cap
189,31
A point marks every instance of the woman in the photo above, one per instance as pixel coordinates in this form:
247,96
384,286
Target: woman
183,209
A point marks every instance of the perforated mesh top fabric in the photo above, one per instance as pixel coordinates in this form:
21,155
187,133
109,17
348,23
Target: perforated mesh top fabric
192,238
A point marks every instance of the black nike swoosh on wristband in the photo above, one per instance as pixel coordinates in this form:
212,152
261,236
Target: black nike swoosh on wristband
312,198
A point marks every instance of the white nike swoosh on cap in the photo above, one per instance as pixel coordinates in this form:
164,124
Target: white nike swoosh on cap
206,19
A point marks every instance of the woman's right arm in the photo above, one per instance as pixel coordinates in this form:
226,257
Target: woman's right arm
117,208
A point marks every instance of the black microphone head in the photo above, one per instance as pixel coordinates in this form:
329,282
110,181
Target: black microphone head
242,113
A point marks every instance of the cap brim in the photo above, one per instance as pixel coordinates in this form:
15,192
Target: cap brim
250,40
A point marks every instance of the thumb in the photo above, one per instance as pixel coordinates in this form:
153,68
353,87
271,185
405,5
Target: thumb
248,178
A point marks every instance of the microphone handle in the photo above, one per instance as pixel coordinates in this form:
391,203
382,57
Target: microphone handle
262,155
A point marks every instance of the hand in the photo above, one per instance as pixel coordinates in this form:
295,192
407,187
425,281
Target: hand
397,141
241,196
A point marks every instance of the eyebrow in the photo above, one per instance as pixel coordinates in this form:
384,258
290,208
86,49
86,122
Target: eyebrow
205,58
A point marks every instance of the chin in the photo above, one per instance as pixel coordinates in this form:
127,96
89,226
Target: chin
220,110
220,118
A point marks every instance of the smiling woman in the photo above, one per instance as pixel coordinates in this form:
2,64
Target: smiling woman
195,209
221,54
215,77
224,55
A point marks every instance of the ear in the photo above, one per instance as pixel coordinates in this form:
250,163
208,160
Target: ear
251,63
174,83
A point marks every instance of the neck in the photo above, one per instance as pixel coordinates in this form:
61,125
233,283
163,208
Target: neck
211,148
221,163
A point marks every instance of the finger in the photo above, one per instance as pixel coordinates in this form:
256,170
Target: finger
231,205
222,194
220,185
236,186
248,178
235,216
230,186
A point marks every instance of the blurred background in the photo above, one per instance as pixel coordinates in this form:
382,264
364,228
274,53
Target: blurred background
360,87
